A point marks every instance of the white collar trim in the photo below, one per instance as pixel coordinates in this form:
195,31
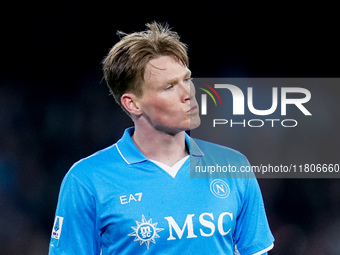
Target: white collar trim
172,170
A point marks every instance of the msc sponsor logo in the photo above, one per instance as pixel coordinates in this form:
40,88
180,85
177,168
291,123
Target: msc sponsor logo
209,224
145,232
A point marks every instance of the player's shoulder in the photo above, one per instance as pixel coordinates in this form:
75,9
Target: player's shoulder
92,163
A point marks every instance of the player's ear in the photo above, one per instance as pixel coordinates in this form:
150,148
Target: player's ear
130,103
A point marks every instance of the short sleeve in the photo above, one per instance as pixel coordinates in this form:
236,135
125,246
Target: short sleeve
252,233
75,229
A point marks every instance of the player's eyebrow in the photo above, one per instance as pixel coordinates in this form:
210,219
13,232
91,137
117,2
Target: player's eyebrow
175,79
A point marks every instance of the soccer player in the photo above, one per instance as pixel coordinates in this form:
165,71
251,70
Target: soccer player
136,196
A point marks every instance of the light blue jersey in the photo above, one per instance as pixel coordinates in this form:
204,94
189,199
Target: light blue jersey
118,202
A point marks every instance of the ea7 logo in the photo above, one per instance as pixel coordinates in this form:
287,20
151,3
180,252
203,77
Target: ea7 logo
129,198
224,223
238,99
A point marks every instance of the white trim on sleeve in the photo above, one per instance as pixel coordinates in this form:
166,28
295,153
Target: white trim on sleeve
265,250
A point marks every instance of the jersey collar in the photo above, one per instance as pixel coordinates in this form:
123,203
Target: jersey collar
127,148
194,150
132,155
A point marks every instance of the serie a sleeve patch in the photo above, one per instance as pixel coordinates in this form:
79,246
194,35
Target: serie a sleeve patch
56,231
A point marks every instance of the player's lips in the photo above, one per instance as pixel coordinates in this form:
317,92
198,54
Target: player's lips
193,109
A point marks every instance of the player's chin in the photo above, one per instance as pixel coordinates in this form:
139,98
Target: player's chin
195,122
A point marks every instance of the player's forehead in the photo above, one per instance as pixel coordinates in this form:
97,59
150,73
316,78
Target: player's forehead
165,69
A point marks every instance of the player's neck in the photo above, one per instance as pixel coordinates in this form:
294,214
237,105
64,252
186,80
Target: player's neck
160,146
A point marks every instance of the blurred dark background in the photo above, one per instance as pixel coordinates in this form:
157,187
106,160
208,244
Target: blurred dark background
55,108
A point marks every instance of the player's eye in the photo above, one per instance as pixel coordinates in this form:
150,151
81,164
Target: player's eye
187,80
169,87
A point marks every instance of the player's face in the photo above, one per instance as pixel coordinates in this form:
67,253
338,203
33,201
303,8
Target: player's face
168,100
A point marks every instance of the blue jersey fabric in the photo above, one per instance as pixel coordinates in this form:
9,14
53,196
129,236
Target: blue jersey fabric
118,202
